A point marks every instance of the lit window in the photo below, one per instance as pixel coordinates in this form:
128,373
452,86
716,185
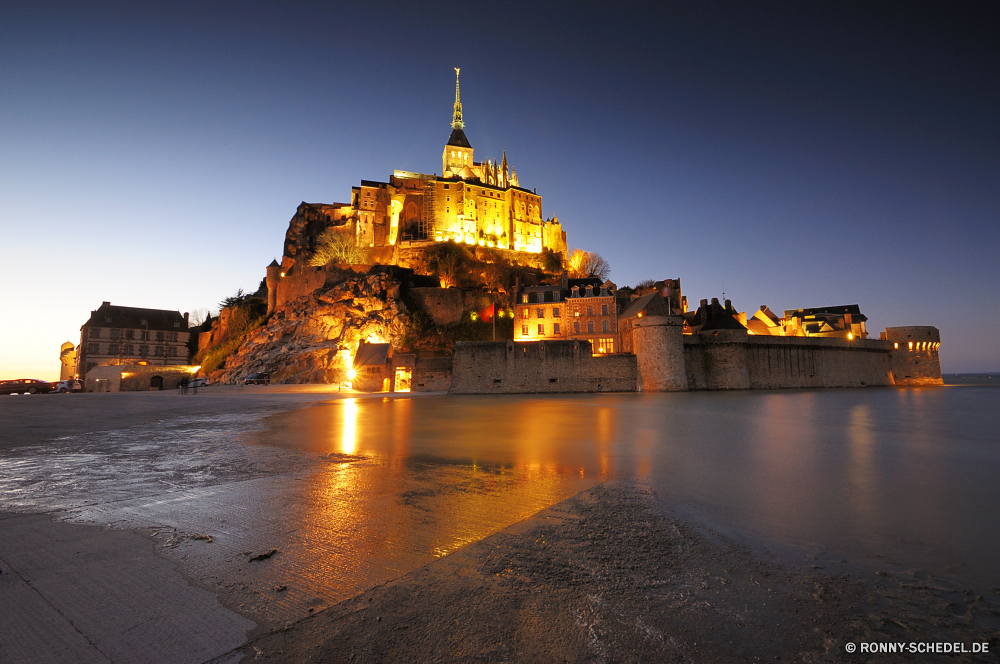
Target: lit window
524,330
541,313
524,312
555,312
555,328
590,327
541,330
604,310
604,326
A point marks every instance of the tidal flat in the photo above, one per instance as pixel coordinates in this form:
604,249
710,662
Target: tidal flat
303,523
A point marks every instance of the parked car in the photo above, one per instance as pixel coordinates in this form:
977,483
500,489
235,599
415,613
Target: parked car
257,379
71,385
25,386
198,382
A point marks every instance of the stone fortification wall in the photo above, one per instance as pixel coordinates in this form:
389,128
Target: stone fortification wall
775,362
661,365
445,306
432,374
496,367
732,360
914,357
413,255
307,280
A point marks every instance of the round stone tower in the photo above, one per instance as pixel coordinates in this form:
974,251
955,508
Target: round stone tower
658,344
273,275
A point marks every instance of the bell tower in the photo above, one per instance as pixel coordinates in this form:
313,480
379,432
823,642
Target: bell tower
457,158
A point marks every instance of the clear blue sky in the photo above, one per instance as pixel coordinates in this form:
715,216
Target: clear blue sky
800,154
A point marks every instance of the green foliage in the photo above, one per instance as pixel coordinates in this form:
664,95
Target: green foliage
337,245
247,313
423,335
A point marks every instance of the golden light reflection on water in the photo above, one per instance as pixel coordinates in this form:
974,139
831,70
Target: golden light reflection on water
349,439
426,483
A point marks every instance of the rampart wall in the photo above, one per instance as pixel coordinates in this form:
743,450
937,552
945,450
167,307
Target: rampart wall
733,360
914,356
497,367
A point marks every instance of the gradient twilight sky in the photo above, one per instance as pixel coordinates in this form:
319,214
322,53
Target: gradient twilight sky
800,154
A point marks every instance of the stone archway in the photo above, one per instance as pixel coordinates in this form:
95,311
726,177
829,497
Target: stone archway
156,383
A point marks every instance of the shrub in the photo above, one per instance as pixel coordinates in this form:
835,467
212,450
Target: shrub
337,245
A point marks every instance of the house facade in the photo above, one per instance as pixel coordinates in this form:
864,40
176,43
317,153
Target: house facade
116,335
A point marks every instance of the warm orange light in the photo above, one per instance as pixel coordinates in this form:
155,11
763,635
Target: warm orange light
896,345
850,335
351,373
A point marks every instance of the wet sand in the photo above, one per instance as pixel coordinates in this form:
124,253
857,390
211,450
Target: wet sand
465,562
607,576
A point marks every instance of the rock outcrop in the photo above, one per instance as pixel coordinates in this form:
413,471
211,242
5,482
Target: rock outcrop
313,339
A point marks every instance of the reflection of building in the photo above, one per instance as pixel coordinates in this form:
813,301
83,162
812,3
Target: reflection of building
128,335
475,203
574,309
67,361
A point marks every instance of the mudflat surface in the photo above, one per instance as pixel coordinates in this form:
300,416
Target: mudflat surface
607,576
30,419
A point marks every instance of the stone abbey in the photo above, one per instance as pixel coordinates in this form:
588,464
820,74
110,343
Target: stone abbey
478,203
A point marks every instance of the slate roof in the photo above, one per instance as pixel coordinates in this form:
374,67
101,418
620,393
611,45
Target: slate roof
132,317
651,303
370,355
458,139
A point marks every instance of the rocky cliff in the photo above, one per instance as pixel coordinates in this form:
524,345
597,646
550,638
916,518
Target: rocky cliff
312,339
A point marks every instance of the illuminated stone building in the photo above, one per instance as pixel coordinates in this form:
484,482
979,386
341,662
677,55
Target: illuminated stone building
67,361
473,202
128,335
575,309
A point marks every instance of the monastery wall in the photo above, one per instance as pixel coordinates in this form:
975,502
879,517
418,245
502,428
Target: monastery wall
496,367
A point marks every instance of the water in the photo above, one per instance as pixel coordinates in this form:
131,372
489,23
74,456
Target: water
355,492
904,474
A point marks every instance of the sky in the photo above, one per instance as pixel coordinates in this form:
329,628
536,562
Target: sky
789,154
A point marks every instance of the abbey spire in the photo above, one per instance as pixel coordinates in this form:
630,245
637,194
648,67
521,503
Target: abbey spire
456,120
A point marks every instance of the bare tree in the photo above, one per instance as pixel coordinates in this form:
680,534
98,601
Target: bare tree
447,270
197,317
588,264
336,245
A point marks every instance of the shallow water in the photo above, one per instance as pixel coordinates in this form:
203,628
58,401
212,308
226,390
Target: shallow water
355,492
905,474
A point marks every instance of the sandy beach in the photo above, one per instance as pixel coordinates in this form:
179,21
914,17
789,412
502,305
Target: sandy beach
157,527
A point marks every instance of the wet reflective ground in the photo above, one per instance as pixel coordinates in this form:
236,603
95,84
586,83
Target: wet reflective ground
355,492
